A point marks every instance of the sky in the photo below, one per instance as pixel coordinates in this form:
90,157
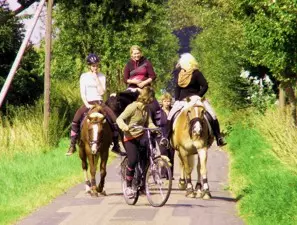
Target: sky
39,30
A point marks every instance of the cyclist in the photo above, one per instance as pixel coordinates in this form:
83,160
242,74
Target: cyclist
136,113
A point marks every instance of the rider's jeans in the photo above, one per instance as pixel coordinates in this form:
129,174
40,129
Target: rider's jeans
193,99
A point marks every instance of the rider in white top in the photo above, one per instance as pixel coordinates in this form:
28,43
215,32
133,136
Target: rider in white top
88,87
92,89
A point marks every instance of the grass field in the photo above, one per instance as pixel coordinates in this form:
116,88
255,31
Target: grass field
31,180
265,187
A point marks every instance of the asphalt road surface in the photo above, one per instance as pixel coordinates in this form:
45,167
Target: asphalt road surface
77,208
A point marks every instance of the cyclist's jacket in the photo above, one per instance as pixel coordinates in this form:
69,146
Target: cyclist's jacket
135,113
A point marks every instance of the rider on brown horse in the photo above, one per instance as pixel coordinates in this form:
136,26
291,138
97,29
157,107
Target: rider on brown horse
92,89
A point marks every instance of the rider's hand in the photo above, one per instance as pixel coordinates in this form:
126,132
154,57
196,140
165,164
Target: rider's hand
89,106
125,127
141,84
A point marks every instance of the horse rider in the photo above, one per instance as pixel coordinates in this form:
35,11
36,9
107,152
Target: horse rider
192,85
92,89
136,113
139,73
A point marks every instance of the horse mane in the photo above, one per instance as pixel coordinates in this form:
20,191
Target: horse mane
192,123
96,108
119,102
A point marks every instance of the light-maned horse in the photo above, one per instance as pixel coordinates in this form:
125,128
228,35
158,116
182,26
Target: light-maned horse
192,135
95,140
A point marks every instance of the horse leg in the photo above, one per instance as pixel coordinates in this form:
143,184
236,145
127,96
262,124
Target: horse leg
103,163
182,180
92,161
188,167
203,170
84,165
198,186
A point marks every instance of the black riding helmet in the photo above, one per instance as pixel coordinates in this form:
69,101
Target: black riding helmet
92,59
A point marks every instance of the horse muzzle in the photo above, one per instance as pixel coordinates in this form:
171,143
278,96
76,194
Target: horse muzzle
94,147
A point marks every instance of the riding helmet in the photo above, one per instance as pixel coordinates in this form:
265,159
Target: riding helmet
92,59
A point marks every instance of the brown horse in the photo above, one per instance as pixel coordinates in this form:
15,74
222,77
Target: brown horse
192,135
95,140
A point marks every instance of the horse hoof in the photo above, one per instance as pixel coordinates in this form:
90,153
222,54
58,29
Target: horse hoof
206,195
191,195
182,186
94,194
198,194
103,193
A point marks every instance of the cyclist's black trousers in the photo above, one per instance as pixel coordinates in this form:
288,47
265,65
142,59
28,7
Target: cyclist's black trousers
135,148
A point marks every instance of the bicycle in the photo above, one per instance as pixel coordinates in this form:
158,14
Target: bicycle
154,175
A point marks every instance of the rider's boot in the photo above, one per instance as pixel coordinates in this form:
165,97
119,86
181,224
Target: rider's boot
217,133
73,138
115,139
165,139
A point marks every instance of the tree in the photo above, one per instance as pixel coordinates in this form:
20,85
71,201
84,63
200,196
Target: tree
109,28
270,29
27,85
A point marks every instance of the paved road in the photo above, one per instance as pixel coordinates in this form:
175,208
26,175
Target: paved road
77,208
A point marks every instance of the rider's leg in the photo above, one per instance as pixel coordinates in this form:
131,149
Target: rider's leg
111,118
132,154
75,127
214,124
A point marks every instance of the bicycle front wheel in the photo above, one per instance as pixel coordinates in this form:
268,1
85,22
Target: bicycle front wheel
158,182
130,200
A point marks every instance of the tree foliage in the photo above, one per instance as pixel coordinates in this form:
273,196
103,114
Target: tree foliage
242,33
109,28
26,86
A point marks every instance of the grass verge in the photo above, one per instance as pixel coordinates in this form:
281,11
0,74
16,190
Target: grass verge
31,180
265,187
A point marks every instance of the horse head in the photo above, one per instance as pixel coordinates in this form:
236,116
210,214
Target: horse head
118,102
95,121
196,120
191,128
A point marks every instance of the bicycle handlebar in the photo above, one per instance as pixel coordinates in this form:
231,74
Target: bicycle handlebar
144,128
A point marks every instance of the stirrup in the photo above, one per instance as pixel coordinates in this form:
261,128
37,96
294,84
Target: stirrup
71,150
117,150
221,141
164,142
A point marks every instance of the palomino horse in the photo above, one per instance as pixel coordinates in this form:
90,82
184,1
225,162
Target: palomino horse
95,139
192,135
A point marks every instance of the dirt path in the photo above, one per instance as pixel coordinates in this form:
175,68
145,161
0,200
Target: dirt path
77,208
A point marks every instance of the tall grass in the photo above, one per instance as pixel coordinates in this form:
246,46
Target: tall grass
23,130
262,176
278,128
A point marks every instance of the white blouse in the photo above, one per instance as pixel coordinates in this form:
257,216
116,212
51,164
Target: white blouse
88,86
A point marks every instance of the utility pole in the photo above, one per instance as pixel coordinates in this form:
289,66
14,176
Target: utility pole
47,69
20,53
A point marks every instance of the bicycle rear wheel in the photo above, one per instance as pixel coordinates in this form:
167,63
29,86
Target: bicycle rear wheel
158,182
129,200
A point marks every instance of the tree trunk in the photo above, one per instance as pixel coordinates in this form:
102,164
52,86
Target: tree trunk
282,97
292,99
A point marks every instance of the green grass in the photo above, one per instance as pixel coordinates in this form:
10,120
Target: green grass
31,180
266,189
